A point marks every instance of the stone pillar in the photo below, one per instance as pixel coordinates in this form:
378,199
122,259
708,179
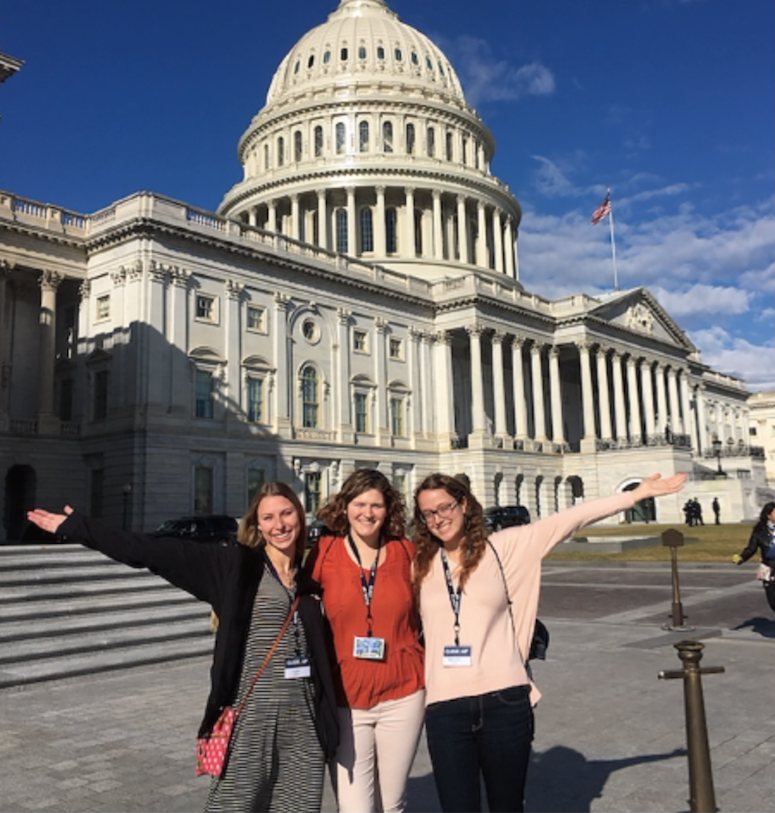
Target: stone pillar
180,379
352,219
620,411
602,389
271,223
499,390
648,399
380,235
587,402
444,401
410,250
344,419
662,419
416,379
5,268
381,428
702,419
49,282
558,430
427,383
688,423
520,405
536,373
481,236
232,349
462,229
438,239
252,219
322,219
509,248
295,222
636,433
497,234
285,377
478,418
675,410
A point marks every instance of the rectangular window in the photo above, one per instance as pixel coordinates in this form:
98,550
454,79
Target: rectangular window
96,492
203,490
205,308
256,478
255,403
396,349
256,319
103,307
101,382
311,491
361,412
359,341
397,417
203,397
66,389
399,482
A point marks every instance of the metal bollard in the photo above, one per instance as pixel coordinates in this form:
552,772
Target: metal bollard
674,539
702,798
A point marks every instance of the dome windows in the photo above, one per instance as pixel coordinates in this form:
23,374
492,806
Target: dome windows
310,61
344,54
363,136
428,63
361,52
341,138
342,242
410,139
431,142
380,52
297,146
280,151
318,136
415,58
326,57
391,230
398,55
387,136
297,66
367,230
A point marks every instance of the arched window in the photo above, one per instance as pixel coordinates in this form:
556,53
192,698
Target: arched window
326,57
343,54
418,232
367,230
340,138
315,229
399,56
361,52
431,142
363,136
380,52
410,139
387,136
391,232
310,61
309,397
280,151
266,156
341,231
297,144
318,141
464,151
297,66
449,145
415,59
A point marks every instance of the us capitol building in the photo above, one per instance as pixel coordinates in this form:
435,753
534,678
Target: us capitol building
355,300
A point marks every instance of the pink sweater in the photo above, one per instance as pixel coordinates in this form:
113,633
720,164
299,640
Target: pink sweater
498,661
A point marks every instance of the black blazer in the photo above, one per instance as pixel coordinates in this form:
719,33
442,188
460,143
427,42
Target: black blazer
227,578
760,540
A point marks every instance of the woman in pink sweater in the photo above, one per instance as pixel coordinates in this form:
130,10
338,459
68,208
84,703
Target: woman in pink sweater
478,599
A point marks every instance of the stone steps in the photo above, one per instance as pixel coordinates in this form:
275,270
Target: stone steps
67,611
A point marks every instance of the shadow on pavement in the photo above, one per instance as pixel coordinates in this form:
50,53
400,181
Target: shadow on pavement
582,780
421,795
760,625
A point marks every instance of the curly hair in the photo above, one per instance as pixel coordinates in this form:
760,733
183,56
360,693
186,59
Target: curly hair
474,542
334,512
249,534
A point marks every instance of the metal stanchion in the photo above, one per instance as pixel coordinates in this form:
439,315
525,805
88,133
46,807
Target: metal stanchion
702,798
674,539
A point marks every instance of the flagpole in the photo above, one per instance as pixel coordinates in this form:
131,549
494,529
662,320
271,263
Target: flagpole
613,248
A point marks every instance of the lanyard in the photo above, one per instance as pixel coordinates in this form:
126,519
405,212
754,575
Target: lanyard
289,594
367,587
455,596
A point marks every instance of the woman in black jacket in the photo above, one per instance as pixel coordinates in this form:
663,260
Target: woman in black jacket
288,728
763,540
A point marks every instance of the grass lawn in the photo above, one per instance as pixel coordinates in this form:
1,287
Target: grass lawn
704,543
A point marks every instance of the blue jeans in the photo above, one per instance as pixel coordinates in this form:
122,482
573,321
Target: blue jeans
489,734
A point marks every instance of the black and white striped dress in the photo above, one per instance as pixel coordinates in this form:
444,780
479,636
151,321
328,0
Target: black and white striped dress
276,762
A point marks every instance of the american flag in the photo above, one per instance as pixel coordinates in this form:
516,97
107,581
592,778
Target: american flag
602,210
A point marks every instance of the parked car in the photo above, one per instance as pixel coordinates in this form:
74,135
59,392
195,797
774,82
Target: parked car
217,528
506,516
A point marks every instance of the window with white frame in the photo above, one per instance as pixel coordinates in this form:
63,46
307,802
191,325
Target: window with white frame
310,403
396,349
361,403
341,138
312,491
367,230
342,241
431,142
205,308
256,319
297,146
103,307
397,417
203,393
410,139
391,230
280,151
318,136
360,341
363,136
387,136
255,400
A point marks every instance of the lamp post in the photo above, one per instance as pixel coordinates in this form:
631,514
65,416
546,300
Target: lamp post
126,490
717,447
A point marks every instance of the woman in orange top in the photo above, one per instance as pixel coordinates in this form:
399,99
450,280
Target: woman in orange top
365,574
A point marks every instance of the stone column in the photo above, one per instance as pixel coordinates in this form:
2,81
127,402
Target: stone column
636,434
702,420
537,376
322,219
438,239
478,422
416,379
558,430
427,382
444,402
295,230
620,411
688,428
648,399
481,236
49,282
410,250
602,388
381,429
501,429
380,235
520,406
5,268
462,230
662,414
672,392
285,377
232,349
497,232
252,219
587,402
352,231
271,223
344,420
509,248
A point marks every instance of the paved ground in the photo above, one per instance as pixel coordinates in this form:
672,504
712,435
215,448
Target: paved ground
610,734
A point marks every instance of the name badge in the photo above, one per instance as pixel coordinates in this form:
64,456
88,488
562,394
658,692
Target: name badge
370,649
457,656
298,667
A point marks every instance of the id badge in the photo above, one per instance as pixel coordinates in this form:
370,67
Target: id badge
298,667
370,649
457,656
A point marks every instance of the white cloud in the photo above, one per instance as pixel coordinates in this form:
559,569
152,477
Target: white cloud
755,364
703,299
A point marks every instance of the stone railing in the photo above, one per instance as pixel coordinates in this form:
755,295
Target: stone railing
306,433
736,450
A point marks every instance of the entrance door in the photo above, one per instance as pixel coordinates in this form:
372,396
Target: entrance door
20,485
643,511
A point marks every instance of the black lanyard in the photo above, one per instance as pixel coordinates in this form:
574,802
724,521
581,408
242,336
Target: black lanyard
289,594
367,587
455,596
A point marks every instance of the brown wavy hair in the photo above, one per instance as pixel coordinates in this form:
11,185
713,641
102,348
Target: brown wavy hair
334,512
474,542
249,534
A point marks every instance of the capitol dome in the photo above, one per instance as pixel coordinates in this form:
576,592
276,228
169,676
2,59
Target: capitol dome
367,147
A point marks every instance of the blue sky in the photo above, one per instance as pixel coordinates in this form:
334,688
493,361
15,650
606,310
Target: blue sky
670,102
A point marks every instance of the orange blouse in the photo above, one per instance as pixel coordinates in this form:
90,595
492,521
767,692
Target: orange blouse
361,683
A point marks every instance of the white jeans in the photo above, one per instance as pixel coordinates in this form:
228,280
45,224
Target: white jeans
377,745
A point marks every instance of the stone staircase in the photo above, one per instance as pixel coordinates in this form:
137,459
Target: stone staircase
67,611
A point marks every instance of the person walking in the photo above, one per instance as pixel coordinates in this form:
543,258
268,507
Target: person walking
478,599
716,510
364,570
763,540
288,727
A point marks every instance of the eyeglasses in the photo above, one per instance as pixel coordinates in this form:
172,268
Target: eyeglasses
442,512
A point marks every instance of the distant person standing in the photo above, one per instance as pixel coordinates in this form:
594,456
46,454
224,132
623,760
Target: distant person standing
688,510
763,540
697,512
716,510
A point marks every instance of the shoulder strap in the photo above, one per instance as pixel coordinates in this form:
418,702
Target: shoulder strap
505,585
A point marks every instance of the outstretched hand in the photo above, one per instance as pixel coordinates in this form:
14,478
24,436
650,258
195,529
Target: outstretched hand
655,485
48,521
